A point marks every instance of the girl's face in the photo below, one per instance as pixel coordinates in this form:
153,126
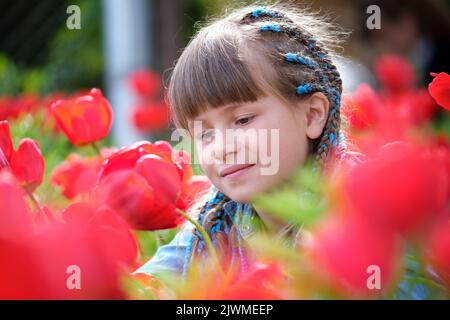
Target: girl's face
246,149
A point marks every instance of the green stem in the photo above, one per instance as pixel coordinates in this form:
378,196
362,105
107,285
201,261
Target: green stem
96,149
35,202
158,239
207,240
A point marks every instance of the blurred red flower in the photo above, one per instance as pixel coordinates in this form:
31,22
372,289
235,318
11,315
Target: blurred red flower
151,112
37,262
111,231
262,281
14,107
79,267
439,89
15,217
6,145
361,108
84,119
399,190
344,247
21,276
438,249
151,116
391,112
395,73
26,162
145,82
76,175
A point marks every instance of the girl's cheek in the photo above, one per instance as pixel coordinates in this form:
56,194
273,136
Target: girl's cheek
205,155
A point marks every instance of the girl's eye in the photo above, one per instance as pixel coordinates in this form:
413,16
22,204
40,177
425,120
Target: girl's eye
207,135
244,120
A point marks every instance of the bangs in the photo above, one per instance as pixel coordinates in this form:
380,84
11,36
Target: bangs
211,73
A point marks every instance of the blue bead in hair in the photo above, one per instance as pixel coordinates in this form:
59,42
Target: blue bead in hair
332,137
305,88
271,27
292,57
258,12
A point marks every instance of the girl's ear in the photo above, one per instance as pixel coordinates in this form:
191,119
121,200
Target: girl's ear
316,112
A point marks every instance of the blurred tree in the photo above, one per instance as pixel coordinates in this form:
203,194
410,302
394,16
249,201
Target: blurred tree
39,54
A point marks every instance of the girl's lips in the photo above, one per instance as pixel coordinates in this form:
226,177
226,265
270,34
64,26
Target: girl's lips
235,170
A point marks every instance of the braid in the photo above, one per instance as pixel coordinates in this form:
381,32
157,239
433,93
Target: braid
324,76
212,219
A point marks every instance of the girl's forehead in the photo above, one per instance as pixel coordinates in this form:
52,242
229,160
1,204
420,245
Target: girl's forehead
212,113
219,111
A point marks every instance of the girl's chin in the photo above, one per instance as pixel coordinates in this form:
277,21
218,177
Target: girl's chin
243,194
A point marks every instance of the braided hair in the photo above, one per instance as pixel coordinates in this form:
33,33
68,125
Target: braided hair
301,66
319,72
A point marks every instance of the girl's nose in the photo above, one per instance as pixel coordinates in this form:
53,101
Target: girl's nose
225,147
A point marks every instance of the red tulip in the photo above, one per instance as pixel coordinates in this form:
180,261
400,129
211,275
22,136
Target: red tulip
343,251
143,185
84,119
145,82
130,195
395,73
165,180
126,157
26,162
161,175
400,190
439,89
76,175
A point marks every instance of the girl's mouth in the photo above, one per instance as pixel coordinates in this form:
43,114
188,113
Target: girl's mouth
235,171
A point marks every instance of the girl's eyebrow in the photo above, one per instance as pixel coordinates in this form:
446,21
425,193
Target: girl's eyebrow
221,111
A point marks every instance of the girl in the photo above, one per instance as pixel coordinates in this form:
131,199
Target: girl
257,68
